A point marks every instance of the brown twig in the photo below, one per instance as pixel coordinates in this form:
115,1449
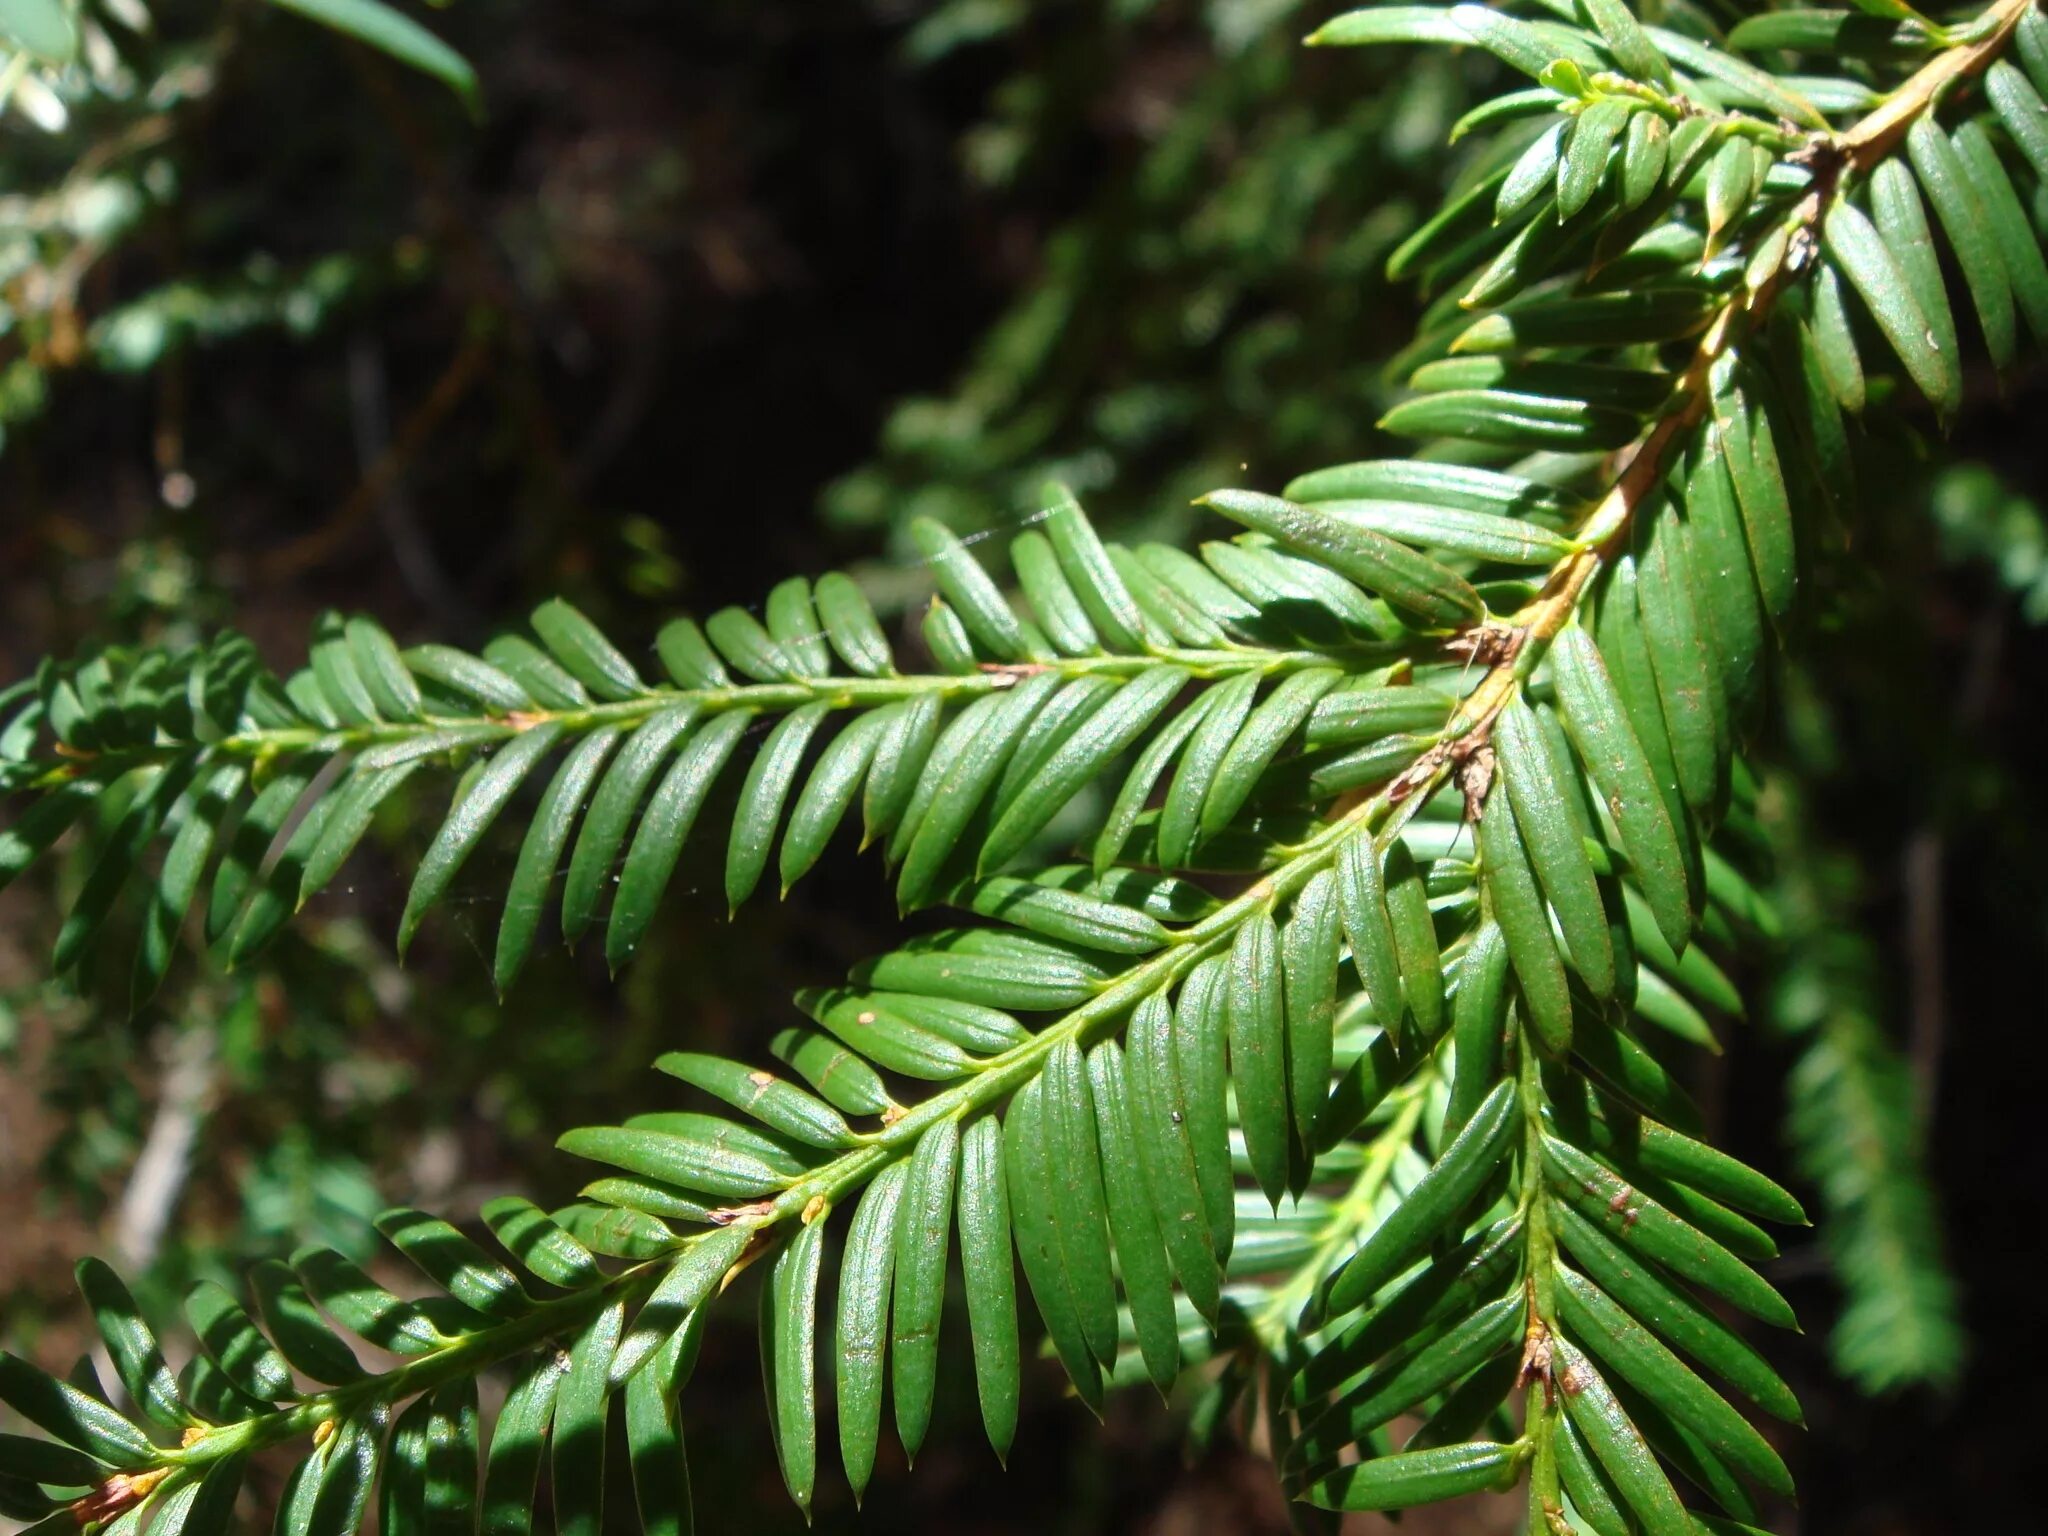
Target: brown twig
316,548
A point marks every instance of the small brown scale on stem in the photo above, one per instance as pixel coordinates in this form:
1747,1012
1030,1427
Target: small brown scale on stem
118,1494
1537,1363
732,1215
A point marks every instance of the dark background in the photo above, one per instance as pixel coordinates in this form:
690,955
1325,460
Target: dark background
723,291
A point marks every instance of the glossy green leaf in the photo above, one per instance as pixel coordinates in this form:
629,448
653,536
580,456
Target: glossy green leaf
1404,578
366,1309
664,827
1963,219
402,1494
789,1347
1617,1445
1455,486
1631,1354
1530,47
1583,165
1389,24
745,642
688,656
1073,916
392,32
1079,1203
866,1273
470,819
348,819
236,1345
336,677
612,809
2021,110
1469,1160
26,837
1088,568
295,1325
989,1274
1870,260
1554,844
842,1078
348,1475
1840,361
762,796
1524,920
1628,42
923,1230
28,1459
1201,1035
132,1346
1310,945
1227,707
2009,227
1743,429
1669,1310
542,677
454,1263
1415,942
382,670
1510,420
828,794
885,1037
1409,1478
779,1105
541,1246
494,691
1165,1152
1458,530
901,752
698,1152
851,626
576,1463
970,592
1479,1025
1141,1256
79,1420
1258,1049
1606,319
1644,152
1642,1224
1362,901
793,621
518,1447
119,852
1106,733
1040,1247
654,1445
703,1264
1595,1499
1052,598
964,766
947,639
534,874
1402,1383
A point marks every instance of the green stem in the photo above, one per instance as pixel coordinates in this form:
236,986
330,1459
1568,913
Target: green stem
458,1361
1539,1264
836,692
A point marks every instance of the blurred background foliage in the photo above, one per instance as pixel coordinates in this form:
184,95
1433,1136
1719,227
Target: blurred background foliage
714,292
